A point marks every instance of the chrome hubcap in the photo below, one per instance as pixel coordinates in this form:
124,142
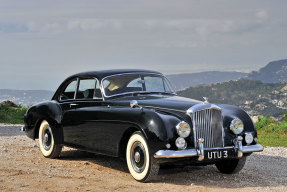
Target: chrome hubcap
46,137
137,157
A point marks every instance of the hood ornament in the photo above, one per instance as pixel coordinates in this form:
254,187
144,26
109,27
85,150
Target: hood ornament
205,100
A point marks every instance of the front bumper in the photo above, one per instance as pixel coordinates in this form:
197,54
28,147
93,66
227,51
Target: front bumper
240,150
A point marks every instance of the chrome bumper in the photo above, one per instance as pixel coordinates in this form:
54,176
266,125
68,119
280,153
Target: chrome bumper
22,129
200,151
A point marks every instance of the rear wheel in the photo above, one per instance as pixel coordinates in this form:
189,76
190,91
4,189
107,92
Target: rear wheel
46,141
231,166
141,165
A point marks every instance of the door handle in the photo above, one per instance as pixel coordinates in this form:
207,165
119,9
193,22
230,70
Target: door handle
73,104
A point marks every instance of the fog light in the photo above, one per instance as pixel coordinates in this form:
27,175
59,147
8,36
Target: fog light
248,138
168,146
180,143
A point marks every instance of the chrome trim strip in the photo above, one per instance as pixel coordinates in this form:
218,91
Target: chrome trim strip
139,73
194,153
162,108
200,107
176,154
252,148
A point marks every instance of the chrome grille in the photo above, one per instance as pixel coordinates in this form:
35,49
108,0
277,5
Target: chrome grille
207,124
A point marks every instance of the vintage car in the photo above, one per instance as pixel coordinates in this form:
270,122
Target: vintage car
135,114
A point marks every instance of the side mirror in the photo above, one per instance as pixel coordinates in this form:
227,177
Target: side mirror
134,104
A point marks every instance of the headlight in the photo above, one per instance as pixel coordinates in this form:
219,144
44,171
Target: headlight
180,143
183,129
248,138
236,126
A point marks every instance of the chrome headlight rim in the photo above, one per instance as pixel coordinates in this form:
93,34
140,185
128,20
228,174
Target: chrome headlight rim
236,126
183,129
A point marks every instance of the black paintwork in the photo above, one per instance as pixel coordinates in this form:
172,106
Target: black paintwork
104,125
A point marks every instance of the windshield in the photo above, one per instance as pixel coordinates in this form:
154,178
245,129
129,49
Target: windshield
135,83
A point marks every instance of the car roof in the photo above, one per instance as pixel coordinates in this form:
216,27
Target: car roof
100,75
104,73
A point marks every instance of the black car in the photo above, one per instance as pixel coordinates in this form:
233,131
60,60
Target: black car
135,114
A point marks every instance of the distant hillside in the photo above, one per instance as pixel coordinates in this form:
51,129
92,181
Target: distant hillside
25,97
182,81
257,98
275,71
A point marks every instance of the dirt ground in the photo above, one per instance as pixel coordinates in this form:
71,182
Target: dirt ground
23,168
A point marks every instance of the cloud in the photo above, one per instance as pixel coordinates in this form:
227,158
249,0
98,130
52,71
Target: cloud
93,34
12,28
179,44
262,15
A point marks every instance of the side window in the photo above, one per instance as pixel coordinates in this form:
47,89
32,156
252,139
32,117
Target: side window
69,91
86,89
89,89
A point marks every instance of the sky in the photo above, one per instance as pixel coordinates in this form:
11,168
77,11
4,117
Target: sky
43,42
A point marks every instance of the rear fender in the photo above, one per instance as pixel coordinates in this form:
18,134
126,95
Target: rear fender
49,111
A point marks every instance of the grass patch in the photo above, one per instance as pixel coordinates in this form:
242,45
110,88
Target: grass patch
12,115
272,133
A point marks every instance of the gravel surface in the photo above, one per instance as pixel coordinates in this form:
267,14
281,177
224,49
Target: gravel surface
23,168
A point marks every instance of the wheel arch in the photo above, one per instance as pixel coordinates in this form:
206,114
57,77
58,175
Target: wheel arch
125,138
37,127
56,129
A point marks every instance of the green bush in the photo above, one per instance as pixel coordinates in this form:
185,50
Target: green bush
264,122
271,132
12,115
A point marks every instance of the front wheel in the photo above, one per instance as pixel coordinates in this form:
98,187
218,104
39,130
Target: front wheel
46,141
140,164
231,166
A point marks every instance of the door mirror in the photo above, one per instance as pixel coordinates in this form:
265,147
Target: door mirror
134,104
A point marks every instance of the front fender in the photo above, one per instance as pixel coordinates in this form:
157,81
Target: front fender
160,129
157,127
229,112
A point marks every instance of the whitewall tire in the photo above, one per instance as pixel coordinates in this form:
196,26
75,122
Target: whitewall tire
140,164
46,141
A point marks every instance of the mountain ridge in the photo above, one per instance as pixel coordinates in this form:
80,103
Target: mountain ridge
274,71
185,80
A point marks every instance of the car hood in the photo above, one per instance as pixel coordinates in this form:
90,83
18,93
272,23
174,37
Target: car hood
182,104
160,101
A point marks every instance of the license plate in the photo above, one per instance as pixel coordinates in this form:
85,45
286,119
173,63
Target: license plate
218,154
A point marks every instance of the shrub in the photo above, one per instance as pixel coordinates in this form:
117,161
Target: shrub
12,115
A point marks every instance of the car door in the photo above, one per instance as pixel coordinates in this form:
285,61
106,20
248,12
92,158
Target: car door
67,102
81,117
